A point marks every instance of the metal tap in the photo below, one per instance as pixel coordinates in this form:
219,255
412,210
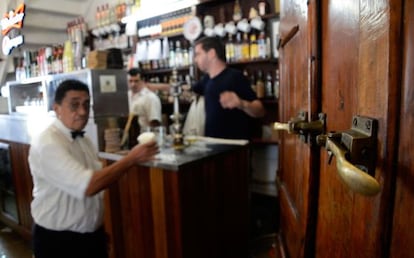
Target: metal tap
176,117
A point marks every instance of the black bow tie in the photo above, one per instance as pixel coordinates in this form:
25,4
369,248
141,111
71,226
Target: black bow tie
77,133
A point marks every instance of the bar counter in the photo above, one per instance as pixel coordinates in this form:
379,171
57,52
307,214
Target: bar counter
189,203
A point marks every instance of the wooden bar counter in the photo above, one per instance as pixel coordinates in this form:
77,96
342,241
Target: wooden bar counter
188,204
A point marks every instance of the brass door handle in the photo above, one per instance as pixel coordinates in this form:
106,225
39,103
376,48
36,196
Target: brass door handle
356,179
355,146
299,125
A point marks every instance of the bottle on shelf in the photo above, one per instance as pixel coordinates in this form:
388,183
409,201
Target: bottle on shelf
253,82
171,62
260,87
178,54
263,7
268,47
186,57
276,84
238,47
261,45
165,53
230,49
254,49
190,55
98,15
269,85
68,57
245,47
237,11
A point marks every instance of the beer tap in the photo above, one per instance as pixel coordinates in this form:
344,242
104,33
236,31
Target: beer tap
176,117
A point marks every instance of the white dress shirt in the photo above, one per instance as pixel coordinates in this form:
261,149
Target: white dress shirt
61,168
146,105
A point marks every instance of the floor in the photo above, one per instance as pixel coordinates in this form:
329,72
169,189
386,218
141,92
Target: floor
262,244
13,246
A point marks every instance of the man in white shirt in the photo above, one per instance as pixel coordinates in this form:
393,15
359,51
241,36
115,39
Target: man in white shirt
68,179
143,102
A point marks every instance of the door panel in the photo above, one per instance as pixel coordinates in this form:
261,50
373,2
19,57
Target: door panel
359,57
402,232
296,184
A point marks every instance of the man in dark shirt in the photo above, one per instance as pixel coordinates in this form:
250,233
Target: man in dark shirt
230,102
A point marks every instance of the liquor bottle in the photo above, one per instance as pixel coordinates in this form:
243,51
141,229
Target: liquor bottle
238,47
165,53
253,83
245,48
230,49
98,16
263,7
276,84
237,11
172,55
269,85
178,54
254,49
261,44
260,87
186,57
68,59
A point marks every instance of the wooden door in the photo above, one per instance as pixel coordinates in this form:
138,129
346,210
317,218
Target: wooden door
297,160
360,76
402,233
346,62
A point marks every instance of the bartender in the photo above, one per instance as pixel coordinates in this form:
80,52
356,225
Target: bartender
143,101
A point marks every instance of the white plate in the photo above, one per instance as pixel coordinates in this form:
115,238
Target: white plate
192,28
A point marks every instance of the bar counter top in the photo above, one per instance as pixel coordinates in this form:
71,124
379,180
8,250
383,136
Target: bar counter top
172,159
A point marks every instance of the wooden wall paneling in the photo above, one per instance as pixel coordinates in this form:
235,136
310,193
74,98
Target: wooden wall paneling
402,234
295,166
360,46
339,75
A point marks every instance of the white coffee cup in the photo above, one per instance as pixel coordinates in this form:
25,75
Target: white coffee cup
243,26
219,30
257,23
209,32
230,28
208,21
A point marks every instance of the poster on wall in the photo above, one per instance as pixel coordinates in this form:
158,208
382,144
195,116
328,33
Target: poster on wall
11,25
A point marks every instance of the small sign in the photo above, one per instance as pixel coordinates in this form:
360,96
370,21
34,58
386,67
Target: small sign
10,21
107,83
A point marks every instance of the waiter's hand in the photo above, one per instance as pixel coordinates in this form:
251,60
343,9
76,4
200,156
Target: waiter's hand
144,152
230,100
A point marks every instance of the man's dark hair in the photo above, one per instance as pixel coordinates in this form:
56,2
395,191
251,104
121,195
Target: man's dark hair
134,71
215,43
68,85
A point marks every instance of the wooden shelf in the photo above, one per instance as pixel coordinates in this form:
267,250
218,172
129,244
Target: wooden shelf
165,70
256,61
168,35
